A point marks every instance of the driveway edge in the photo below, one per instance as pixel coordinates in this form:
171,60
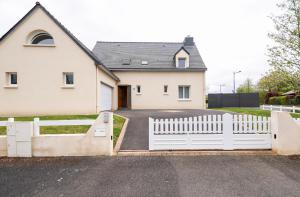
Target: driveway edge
121,136
194,153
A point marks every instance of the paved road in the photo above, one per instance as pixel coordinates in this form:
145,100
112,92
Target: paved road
151,176
136,137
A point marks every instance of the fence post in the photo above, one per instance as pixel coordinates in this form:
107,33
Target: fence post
271,107
228,131
11,120
280,108
36,127
151,133
263,107
294,109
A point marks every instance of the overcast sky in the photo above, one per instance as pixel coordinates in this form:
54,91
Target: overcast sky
231,35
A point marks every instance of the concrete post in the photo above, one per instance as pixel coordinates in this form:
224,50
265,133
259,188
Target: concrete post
285,134
228,131
36,127
151,133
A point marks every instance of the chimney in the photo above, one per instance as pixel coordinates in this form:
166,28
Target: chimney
188,41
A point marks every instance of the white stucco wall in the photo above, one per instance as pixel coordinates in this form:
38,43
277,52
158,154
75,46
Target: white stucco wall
40,73
76,144
152,86
287,132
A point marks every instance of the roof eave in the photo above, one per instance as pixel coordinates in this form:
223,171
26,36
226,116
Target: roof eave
159,69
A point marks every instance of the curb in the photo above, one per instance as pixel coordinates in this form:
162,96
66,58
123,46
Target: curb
121,136
195,153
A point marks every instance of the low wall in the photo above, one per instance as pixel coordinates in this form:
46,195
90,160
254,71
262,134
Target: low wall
285,134
3,146
77,144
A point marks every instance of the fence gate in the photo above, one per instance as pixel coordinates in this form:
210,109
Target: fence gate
226,132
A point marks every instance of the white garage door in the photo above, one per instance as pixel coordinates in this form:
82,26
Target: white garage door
106,97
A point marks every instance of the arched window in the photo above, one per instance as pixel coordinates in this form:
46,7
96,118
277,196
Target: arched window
42,38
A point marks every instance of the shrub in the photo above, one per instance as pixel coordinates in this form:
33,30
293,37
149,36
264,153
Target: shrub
278,100
274,101
291,102
297,100
268,96
283,100
262,96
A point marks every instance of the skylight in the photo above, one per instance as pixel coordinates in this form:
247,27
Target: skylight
126,61
144,62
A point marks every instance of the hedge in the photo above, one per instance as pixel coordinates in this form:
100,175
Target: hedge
284,100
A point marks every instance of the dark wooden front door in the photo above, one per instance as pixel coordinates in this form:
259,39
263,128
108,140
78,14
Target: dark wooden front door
122,97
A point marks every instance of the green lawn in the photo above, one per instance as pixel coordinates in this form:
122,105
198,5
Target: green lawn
118,124
252,111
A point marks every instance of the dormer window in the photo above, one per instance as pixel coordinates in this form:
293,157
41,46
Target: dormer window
182,58
181,62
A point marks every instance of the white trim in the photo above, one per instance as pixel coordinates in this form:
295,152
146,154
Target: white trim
184,99
183,93
68,87
39,45
65,79
11,86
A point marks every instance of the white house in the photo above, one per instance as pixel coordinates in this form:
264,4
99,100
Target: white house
45,69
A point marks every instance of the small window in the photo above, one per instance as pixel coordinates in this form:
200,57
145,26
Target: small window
181,62
165,89
138,89
69,78
42,38
184,92
12,78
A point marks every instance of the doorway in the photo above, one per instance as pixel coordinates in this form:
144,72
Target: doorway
124,97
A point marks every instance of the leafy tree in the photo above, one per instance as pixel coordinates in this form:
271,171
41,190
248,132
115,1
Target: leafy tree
279,81
285,54
246,87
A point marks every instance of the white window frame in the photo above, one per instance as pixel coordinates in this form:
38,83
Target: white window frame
9,78
137,89
185,60
183,93
65,85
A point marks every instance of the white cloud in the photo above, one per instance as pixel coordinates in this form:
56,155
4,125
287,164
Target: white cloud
230,35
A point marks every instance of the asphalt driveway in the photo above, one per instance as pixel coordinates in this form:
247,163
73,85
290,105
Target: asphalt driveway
136,137
151,176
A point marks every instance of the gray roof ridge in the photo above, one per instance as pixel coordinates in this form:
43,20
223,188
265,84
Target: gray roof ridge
139,42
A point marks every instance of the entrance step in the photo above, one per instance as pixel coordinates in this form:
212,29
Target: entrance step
193,152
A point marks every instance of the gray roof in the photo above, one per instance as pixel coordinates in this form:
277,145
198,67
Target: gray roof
160,55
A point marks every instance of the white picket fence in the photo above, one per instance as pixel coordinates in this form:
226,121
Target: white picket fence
293,109
37,123
226,132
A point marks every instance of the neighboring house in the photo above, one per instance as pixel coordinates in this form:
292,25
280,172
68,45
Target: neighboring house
44,69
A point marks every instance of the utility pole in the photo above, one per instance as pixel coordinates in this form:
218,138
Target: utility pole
234,73
221,85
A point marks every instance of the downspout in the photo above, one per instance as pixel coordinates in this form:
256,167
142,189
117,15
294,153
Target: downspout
97,89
